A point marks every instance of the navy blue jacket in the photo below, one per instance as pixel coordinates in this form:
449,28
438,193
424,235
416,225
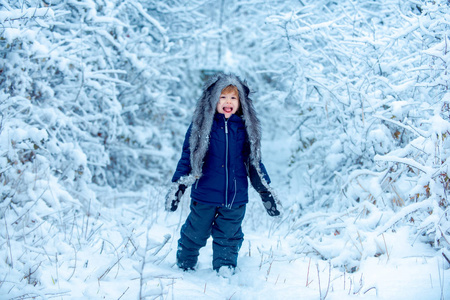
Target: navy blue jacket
224,180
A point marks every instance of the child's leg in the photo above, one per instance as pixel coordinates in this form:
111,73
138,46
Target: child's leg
227,236
194,234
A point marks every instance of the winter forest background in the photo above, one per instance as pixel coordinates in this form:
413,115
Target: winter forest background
95,99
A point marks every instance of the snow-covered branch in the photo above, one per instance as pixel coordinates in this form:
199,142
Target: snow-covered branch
16,17
407,161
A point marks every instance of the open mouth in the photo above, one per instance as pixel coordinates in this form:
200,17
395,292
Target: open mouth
227,109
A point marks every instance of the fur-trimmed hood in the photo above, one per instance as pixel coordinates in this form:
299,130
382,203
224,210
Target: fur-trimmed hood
204,114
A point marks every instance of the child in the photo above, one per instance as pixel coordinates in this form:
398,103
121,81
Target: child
221,148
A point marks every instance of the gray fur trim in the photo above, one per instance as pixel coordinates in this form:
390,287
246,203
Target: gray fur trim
204,115
187,180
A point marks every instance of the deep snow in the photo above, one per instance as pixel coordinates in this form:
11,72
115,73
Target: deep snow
375,129
274,262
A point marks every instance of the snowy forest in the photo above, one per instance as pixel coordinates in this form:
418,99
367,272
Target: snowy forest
353,96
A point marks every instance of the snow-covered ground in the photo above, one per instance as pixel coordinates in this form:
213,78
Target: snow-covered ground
95,98
126,250
110,263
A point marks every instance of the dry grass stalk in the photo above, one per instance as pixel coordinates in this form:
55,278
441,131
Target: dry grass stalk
385,246
307,274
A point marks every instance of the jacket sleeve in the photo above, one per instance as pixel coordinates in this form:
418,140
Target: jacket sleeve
256,180
184,164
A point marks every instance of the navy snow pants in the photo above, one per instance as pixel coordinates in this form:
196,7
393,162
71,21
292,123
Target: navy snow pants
223,224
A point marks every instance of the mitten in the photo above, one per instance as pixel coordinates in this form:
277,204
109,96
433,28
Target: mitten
270,203
173,197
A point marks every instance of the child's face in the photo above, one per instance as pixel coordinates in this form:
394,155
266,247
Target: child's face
228,104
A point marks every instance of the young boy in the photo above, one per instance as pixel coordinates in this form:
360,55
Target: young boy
221,148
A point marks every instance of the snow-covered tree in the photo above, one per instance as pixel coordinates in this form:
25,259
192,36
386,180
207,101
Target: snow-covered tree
368,84
96,95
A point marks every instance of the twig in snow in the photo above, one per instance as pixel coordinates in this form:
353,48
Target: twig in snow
361,282
385,246
329,278
275,225
93,232
36,295
28,276
350,288
73,226
173,286
8,242
344,279
329,281
446,258
307,274
376,290
118,260
123,293
166,239
56,266
260,264
28,210
75,266
441,280
87,220
162,258
109,269
141,271
30,231
318,276
360,242
268,270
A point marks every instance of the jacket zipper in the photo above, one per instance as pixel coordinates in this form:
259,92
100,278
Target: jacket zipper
234,197
226,163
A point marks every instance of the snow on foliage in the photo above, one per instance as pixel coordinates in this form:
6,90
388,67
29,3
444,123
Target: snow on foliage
377,83
95,98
